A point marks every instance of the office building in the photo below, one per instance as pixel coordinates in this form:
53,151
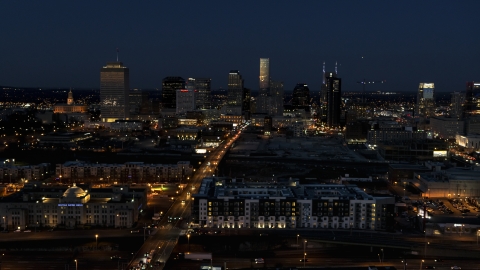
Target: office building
235,88
446,127
333,86
170,85
114,90
458,100
301,95
425,107
264,78
246,99
276,93
185,101
233,203
203,98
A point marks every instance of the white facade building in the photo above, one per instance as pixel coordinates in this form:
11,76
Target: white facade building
231,203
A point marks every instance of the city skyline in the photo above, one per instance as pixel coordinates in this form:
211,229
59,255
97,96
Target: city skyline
373,40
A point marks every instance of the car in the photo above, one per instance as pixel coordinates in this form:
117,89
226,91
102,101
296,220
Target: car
134,231
17,231
306,260
259,260
428,267
455,267
27,231
114,257
438,260
183,202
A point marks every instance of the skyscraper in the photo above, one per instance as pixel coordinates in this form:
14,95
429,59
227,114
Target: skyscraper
301,95
458,99
169,87
235,88
114,90
185,101
204,93
264,78
333,86
425,107
277,93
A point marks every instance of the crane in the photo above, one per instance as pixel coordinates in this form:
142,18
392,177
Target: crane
364,82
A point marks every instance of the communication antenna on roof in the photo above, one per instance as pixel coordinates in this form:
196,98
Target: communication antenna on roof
336,70
117,54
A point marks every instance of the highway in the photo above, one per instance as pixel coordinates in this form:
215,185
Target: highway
175,221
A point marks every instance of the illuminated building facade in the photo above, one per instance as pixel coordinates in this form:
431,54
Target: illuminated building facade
235,88
232,203
425,107
73,207
114,92
264,78
70,107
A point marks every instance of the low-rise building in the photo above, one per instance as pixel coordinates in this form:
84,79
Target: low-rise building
129,172
233,203
72,207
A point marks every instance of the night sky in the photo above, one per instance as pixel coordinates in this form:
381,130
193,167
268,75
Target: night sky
58,44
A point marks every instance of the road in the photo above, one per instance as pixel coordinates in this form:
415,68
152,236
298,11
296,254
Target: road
175,222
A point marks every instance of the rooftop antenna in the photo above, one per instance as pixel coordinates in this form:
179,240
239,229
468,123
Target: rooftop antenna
323,72
117,54
336,70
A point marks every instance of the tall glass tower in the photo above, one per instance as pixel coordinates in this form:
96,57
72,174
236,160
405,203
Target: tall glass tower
334,99
425,100
114,91
264,79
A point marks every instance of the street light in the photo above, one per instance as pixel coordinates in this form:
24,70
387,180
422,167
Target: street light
421,263
297,238
425,253
188,237
76,265
96,240
379,259
304,259
304,254
5,227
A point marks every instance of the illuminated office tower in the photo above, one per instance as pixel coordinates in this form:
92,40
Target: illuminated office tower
114,91
333,86
204,93
235,88
425,107
169,87
264,78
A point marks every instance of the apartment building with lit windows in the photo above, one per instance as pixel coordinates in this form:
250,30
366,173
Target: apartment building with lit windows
233,203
